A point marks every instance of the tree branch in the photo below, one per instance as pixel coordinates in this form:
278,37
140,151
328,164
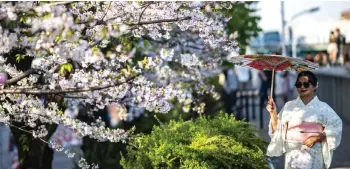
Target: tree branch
194,47
75,97
141,23
144,11
20,77
154,40
160,21
60,3
93,44
109,6
61,91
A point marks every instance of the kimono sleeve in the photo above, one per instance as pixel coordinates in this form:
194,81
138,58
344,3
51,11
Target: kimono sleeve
276,147
333,130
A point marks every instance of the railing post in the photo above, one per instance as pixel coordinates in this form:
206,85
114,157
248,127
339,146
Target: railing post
261,113
246,98
253,104
240,109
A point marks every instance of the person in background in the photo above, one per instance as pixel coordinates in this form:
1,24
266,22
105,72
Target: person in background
283,89
321,59
325,60
264,92
244,77
332,48
309,57
15,164
347,61
229,82
340,40
318,58
116,114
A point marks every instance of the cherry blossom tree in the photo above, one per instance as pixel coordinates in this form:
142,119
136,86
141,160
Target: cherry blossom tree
141,54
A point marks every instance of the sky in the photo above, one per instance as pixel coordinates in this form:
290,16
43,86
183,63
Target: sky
270,11
315,27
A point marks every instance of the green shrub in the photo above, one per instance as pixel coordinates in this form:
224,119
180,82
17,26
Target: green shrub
218,142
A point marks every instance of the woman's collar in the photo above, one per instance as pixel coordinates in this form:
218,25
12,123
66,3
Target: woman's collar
312,101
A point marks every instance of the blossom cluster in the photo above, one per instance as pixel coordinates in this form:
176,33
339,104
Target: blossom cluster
90,51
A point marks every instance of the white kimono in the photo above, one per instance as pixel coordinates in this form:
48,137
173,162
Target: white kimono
298,155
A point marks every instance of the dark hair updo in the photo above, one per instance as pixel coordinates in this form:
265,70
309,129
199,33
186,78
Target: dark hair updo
310,75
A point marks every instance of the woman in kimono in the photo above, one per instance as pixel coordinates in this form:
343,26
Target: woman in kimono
307,130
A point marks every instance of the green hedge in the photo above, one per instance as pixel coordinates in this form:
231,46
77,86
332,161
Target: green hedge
218,142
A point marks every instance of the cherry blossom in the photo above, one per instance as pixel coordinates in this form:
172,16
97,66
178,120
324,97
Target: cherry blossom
83,50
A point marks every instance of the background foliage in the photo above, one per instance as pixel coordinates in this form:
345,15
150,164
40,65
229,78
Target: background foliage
244,23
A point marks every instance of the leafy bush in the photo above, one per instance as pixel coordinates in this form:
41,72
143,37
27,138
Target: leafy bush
218,142
108,154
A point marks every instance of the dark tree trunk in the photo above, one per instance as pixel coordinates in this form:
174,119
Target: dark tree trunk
33,153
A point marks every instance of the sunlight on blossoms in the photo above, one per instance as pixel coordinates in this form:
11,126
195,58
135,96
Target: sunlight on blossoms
138,56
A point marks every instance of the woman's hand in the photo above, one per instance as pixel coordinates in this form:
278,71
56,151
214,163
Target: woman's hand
314,139
271,108
311,141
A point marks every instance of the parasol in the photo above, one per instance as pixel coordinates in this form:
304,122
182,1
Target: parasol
273,63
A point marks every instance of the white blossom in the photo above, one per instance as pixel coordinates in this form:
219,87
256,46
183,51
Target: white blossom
82,53
167,55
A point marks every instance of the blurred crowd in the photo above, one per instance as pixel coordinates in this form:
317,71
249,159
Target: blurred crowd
238,79
336,55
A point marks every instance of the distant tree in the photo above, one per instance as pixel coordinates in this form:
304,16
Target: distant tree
244,22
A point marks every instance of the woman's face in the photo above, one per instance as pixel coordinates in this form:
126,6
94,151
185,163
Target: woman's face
317,58
304,87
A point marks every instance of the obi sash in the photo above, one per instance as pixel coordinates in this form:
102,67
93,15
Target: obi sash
301,131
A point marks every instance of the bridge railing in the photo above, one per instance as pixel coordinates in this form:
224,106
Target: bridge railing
334,89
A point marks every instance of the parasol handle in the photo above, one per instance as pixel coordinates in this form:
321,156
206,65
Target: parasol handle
273,78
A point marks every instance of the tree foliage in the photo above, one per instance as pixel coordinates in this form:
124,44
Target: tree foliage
244,23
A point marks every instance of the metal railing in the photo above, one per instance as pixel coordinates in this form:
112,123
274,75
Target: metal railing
248,102
334,89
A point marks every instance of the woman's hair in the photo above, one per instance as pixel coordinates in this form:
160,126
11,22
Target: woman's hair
310,75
